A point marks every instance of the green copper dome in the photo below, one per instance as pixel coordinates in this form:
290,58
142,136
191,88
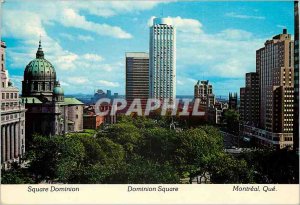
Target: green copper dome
58,90
39,68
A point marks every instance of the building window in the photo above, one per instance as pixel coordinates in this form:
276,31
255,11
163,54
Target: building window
35,85
76,116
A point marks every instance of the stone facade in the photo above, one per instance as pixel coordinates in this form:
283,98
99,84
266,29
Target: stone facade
273,86
75,114
204,91
12,118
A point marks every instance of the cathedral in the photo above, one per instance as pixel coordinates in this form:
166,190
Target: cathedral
49,112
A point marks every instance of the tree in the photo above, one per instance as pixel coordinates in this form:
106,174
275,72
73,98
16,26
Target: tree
125,134
196,149
231,119
143,150
158,144
43,156
226,169
274,166
16,175
143,171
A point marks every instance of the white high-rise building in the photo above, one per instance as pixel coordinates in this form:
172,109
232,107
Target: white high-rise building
162,68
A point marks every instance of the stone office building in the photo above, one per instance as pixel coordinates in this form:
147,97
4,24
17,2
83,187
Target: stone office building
204,92
274,84
12,118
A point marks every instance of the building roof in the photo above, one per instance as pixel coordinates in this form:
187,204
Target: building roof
30,100
39,68
162,21
58,90
137,55
73,101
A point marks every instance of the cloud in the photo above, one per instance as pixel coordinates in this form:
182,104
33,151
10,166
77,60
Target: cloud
66,14
63,83
22,25
92,57
77,80
70,37
235,34
16,80
72,19
66,61
67,36
179,82
187,25
108,83
85,38
182,24
243,16
113,8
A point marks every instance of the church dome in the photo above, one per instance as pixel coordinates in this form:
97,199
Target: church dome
58,90
39,68
39,77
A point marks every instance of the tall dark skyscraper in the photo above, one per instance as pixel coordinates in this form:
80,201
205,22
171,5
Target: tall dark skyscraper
296,77
249,100
137,77
233,101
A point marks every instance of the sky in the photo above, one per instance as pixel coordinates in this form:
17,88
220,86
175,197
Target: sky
86,41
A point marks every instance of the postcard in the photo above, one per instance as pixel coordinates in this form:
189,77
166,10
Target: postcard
149,102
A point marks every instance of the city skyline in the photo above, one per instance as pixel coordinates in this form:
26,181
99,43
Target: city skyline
99,62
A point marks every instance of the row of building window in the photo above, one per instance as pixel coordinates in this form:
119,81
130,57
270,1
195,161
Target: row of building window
9,95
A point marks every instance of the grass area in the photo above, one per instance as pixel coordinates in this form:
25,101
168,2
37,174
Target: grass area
84,133
90,131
